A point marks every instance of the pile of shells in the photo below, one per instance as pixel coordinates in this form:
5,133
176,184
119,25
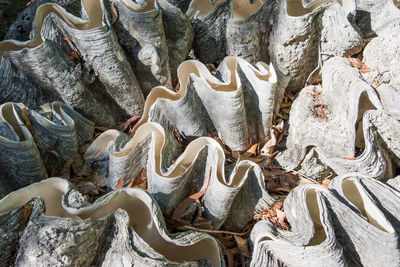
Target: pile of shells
111,60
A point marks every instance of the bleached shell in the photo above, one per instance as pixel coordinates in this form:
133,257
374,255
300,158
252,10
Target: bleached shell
374,15
239,105
345,96
22,160
349,224
301,37
228,200
383,63
124,227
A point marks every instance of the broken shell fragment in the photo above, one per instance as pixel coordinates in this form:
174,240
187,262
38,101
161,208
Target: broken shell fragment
125,227
229,200
334,227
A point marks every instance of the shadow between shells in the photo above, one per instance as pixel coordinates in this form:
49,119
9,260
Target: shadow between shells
233,65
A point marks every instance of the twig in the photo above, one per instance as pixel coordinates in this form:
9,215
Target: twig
215,231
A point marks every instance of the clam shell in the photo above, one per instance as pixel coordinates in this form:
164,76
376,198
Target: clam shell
349,224
301,37
94,40
239,105
233,28
124,227
56,140
385,72
242,190
179,33
345,97
156,36
247,29
373,16
143,36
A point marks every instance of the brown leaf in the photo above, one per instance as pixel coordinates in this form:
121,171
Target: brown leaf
242,245
252,151
88,188
114,14
66,170
120,183
77,163
26,213
185,204
131,122
141,180
177,87
101,128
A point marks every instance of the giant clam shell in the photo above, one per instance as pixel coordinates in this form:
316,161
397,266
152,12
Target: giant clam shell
239,105
373,16
355,222
229,200
161,36
40,60
56,139
124,227
233,28
385,70
345,97
301,37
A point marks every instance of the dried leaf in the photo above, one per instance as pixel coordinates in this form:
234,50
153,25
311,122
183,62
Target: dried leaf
252,151
242,245
185,204
88,188
131,122
101,128
25,214
66,170
114,14
120,183
77,163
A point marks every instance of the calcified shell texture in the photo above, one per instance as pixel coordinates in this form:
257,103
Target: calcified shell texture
110,60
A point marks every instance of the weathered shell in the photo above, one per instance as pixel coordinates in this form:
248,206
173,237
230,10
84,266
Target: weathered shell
373,15
25,145
21,22
50,68
233,28
344,97
239,105
302,37
229,200
385,70
144,36
181,4
124,227
350,224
